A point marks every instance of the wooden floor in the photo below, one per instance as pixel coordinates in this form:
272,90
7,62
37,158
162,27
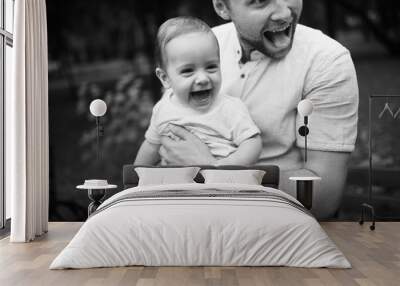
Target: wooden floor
374,255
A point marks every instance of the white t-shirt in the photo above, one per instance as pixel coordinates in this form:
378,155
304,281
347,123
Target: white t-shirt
317,68
223,128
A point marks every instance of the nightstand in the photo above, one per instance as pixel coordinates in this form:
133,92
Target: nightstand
304,190
96,193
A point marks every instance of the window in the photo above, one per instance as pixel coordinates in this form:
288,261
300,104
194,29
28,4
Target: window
6,62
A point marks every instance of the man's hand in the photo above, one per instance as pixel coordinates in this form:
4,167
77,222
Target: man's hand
188,150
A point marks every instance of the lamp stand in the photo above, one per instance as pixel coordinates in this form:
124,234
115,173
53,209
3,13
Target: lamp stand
303,131
305,138
98,138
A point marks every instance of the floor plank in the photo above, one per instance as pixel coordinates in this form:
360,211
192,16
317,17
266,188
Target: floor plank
374,255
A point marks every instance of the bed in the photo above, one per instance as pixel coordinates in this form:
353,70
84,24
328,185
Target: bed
201,223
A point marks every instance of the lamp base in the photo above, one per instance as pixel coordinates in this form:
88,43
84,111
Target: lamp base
96,197
364,207
304,193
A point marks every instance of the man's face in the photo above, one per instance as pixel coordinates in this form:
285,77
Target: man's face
192,69
265,25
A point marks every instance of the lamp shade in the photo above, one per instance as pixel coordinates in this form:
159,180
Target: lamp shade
305,107
98,107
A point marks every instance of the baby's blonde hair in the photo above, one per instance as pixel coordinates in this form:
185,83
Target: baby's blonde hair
175,27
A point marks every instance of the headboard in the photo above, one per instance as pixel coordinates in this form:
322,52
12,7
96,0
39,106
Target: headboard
270,179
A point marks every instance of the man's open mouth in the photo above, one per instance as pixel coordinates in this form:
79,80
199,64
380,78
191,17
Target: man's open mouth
281,36
201,97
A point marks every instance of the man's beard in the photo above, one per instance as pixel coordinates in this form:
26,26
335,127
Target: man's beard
249,44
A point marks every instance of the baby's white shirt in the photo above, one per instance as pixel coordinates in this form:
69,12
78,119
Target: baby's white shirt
223,127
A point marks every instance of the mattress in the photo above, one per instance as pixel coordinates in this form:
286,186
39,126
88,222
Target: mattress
201,225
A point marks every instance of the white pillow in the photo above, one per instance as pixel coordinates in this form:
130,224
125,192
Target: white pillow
164,176
248,177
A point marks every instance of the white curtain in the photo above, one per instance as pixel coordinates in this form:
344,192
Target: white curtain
27,146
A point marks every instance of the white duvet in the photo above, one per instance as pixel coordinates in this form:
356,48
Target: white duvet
200,230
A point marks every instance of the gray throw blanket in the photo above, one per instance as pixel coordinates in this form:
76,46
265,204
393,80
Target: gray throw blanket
205,194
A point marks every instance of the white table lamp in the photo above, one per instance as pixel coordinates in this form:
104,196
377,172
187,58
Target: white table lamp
98,108
305,108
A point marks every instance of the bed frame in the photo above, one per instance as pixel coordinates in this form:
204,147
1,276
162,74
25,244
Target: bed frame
270,179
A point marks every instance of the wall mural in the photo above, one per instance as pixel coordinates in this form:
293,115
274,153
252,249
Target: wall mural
103,49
